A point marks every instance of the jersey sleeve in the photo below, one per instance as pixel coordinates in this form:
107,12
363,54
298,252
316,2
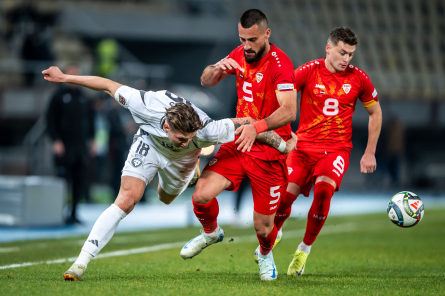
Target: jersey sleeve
301,75
368,93
128,97
282,72
232,55
216,132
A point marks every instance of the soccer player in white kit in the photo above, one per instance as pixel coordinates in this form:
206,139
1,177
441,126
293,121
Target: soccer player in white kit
169,141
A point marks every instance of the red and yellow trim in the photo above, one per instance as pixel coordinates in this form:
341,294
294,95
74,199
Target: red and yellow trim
369,103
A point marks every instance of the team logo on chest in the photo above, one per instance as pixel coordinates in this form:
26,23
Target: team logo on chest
346,88
259,77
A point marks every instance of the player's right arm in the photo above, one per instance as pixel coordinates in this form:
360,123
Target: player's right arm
271,138
213,74
53,74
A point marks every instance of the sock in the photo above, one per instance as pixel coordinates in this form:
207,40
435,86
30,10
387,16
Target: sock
207,214
103,230
266,243
213,234
318,212
84,258
284,209
305,248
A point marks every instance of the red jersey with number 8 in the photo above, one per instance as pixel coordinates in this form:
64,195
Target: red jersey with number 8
257,84
327,103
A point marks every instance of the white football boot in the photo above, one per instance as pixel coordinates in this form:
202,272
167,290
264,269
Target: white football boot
268,270
74,273
199,243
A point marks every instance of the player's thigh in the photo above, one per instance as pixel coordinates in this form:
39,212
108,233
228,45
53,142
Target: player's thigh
332,167
175,177
269,181
223,172
209,185
300,167
130,193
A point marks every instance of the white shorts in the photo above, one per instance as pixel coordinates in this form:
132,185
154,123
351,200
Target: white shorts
143,162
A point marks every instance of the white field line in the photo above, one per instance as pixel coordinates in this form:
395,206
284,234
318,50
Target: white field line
9,250
329,229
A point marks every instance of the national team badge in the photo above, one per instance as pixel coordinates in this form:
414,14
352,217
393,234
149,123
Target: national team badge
259,77
212,161
346,88
122,100
289,170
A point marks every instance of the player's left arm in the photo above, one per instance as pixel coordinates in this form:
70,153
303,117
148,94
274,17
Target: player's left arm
368,162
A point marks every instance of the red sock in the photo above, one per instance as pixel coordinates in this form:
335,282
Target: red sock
284,209
318,213
207,214
266,243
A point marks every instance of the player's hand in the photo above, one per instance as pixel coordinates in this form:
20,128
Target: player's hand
247,138
291,144
227,65
58,148
53,74
368,164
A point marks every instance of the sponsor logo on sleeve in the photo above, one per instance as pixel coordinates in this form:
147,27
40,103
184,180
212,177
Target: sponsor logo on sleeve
285,86
346,88
259,77
374,93
227,130
122,100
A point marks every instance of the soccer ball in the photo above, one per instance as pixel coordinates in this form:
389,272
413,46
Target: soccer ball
405,209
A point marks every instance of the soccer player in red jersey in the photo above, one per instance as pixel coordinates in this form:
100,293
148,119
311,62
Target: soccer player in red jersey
266,92
329,89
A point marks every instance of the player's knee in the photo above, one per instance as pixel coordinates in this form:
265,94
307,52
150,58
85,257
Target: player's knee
126,200
263,229
200,198
166,200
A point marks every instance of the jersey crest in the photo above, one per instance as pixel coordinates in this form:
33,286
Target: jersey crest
259,77
346,88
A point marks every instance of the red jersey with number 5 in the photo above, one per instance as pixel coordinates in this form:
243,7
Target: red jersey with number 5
257,84
327,103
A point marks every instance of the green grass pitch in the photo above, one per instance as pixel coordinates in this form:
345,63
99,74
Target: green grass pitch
356,255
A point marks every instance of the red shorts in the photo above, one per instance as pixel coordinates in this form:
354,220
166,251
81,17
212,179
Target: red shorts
268,179
304,166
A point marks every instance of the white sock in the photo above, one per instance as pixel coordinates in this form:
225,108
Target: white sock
305,248
84,258
279,233
213,234
103,230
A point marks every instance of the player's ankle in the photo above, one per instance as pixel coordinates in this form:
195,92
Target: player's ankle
84,258
212,234
305,248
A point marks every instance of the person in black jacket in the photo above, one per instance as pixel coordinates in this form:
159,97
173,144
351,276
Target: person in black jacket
70,121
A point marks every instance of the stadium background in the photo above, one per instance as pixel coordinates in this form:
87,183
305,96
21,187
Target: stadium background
156,44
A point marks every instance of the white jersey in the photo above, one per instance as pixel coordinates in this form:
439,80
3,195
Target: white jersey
148,110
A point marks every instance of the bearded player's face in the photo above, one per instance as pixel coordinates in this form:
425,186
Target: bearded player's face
254,41
340,55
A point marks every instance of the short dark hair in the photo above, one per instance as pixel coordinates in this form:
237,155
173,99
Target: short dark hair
182,118
343,34
252,17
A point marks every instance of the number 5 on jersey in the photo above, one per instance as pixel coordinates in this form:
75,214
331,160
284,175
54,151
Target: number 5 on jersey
248,96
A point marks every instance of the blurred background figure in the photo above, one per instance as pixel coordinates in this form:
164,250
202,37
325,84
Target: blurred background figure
394,148
70,121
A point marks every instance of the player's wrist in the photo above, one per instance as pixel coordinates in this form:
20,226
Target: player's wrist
282,146
260,126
